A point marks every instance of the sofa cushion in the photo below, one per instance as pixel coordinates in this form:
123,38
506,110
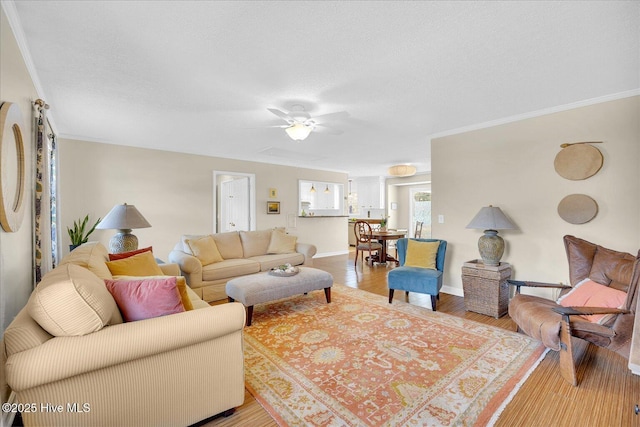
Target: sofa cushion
123,255
91,255
229,244
147,297
255,242
229,268
421,254
205,249
267,262
143,264
281,243
71,301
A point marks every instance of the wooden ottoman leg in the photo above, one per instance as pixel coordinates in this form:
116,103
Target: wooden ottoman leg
249,315
327,294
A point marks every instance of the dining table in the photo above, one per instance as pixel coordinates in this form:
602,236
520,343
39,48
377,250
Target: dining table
384,236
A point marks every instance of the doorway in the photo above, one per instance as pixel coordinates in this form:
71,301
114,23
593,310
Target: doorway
420,210
234,204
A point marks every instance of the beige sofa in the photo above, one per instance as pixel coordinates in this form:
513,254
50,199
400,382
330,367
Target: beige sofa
241,253
172,370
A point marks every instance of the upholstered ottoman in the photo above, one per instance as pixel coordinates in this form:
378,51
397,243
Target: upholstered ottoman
263,287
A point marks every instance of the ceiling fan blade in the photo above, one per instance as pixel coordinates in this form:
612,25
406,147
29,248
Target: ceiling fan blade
284,116
327,129
331,116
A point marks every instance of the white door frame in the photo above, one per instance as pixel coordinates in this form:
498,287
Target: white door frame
252,197
412,193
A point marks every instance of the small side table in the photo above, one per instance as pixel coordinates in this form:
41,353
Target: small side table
486,290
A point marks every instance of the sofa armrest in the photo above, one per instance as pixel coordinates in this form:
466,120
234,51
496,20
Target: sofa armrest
170,269
122,343
190,266
308,250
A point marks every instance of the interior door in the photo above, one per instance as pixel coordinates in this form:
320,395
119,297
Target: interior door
234,204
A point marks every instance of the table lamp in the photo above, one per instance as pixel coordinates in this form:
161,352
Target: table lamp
491,246
123,218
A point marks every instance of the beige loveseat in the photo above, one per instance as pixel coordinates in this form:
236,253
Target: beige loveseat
173,370
240,253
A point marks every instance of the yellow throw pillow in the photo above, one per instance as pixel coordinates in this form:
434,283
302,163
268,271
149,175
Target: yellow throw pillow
205,249
282,243
421,254
143,264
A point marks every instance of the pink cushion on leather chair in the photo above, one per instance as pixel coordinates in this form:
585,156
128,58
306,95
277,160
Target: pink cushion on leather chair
588,293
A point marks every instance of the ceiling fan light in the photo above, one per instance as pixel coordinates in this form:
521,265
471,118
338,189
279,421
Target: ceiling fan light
402,170
298,131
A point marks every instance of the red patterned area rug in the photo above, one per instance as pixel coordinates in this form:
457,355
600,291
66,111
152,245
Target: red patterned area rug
360,361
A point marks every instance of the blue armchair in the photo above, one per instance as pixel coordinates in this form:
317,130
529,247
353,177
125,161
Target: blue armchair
417,279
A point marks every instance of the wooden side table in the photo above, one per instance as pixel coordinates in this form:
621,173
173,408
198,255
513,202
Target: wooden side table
486,290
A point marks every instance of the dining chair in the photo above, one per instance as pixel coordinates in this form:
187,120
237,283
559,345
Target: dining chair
417,233
365,241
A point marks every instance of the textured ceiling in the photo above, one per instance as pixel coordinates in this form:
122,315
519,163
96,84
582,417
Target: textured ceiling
198,76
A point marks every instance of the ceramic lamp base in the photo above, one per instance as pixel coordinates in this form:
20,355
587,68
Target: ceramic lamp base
123,241
491,247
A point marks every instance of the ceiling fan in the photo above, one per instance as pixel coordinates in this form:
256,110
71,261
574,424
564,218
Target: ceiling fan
300,124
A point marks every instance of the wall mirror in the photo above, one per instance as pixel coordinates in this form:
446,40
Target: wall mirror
320,198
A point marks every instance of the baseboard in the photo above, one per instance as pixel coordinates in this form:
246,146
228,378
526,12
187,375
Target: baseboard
326,254
452,291
8,417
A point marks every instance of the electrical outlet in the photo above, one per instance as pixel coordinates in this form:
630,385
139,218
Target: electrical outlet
440,219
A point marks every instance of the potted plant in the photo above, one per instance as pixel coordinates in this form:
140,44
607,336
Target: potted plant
383,223
77,234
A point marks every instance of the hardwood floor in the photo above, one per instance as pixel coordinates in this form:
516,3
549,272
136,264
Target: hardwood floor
606,395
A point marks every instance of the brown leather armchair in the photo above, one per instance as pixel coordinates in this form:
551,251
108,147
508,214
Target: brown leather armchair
554,324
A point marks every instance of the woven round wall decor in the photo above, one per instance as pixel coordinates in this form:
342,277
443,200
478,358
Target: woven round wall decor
577,209
578,161
12,168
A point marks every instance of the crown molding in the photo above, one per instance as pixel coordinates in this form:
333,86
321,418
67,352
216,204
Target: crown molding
9,7
538,113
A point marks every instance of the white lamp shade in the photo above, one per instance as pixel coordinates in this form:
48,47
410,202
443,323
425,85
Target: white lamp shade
298,131
123,217
402,170
491,218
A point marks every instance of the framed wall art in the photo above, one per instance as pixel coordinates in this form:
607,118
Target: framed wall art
273,207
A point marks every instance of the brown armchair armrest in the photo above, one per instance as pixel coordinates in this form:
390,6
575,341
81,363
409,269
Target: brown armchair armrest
587,311
519,283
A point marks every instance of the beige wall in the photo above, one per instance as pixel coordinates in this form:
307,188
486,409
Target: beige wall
174,192
16,278
511,166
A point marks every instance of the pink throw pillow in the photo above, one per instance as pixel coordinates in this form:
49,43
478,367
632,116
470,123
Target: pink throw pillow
146,298
588,293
